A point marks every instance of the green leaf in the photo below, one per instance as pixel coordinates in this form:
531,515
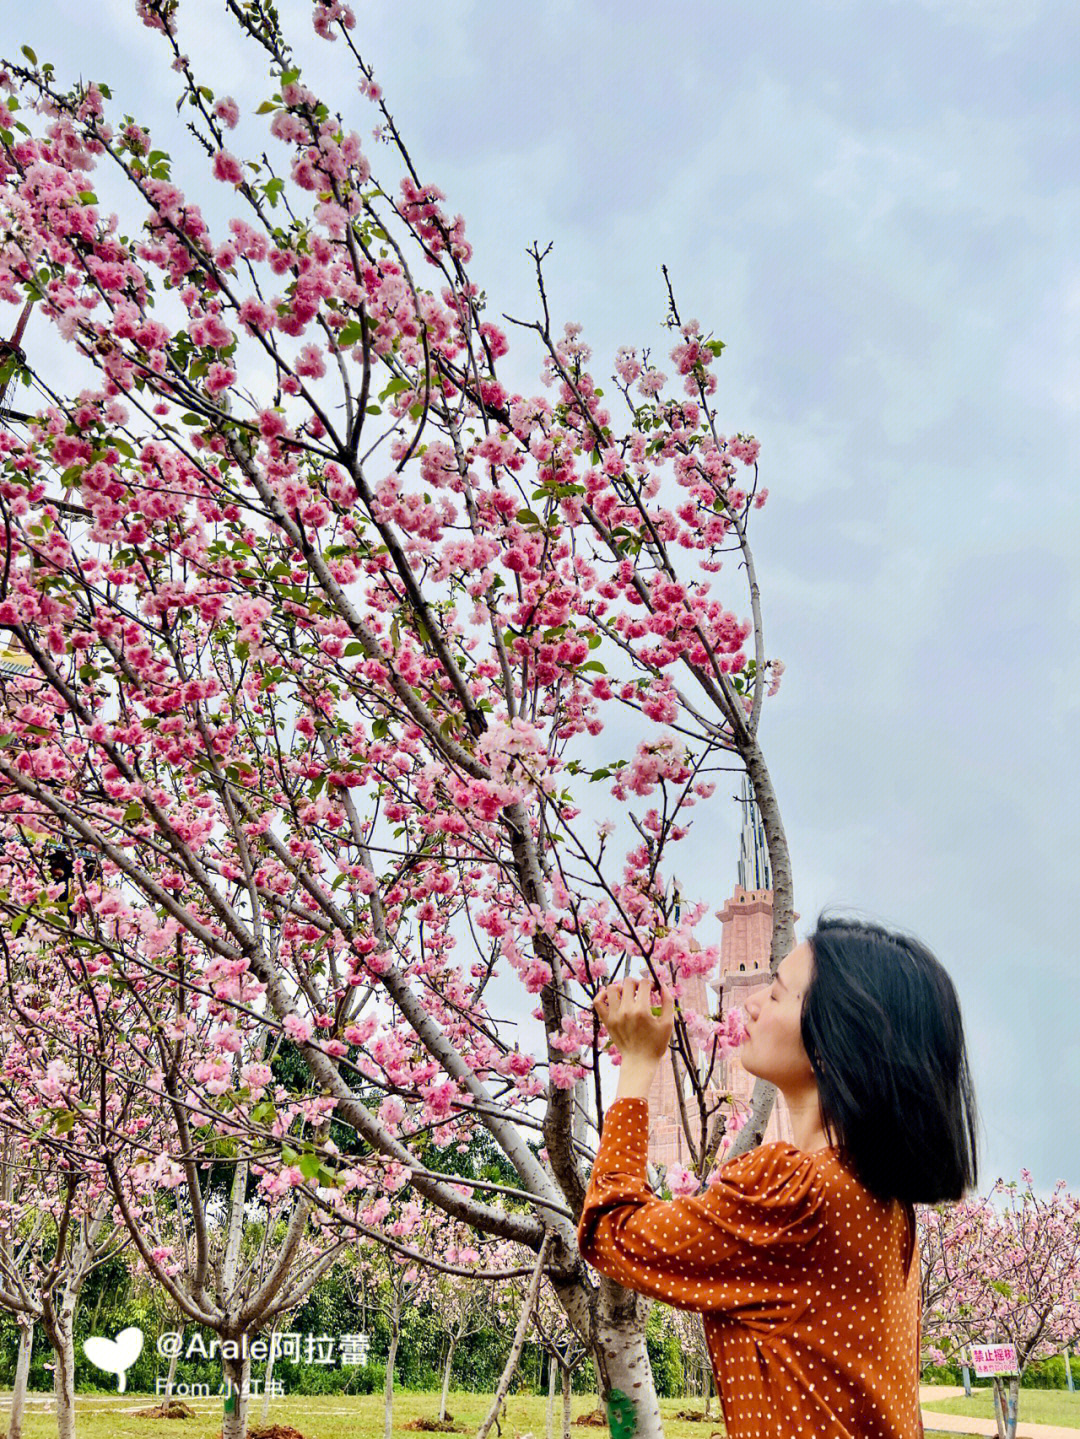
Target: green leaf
7,740
65,1121
87,197
17,923
309,1165
134,812
29,54
266,107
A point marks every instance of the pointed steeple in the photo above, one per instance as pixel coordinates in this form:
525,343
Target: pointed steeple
754,870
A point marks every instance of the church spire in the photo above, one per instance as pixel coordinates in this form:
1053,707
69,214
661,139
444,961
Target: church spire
754,869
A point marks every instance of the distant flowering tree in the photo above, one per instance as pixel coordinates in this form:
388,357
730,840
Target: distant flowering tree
117,1087
466,1291
1002,1277
56,1227
322,619
566,1351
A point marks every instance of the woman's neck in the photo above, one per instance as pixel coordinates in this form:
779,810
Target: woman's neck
807,1131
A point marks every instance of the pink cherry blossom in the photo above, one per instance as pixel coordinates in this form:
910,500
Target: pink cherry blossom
227,168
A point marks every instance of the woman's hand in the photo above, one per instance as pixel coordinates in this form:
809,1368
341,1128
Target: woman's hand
638,1027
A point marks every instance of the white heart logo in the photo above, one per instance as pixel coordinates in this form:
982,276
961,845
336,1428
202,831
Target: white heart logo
115,1356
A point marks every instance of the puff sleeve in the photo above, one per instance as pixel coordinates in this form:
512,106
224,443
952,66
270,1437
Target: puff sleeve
735,1248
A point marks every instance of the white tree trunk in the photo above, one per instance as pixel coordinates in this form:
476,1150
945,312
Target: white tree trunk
998,1408
22,1369
622,1365
61,1338
237,1376
170,1378
1006,1405
1014,1405
553,1370
446,1376
388,1387
268,1376
567,1386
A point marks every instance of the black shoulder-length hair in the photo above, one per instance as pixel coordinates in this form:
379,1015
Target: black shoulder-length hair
882,1029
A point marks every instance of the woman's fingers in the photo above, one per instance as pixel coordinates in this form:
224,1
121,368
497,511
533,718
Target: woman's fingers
631,992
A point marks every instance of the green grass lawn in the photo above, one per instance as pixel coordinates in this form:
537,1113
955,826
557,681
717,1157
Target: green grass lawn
335,1416
1036,1406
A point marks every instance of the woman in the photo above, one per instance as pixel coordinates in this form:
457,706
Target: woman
803,1257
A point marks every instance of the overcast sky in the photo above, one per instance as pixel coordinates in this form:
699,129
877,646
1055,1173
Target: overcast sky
875,206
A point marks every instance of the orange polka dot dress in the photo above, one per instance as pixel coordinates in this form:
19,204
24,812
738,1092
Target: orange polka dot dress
812,1324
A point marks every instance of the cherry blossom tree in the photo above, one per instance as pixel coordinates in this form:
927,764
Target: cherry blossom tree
690,1330
394,1281
58,1218
321,619
463,1306
566,1350
55,1229
232,1242
1008,1276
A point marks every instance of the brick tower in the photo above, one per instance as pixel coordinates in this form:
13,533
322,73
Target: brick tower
744,966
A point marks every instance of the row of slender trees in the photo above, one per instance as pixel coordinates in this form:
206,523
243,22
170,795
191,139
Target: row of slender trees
1001,1273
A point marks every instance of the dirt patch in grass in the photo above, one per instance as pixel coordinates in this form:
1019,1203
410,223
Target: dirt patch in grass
437,1426
175,1409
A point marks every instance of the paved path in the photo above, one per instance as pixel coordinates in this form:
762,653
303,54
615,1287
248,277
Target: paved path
968,1424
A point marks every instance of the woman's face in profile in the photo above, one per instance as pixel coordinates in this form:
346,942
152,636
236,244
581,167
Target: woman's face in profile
774,1049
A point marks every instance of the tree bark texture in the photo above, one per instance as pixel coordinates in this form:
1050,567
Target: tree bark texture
22,1369
236,1374
446,1376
